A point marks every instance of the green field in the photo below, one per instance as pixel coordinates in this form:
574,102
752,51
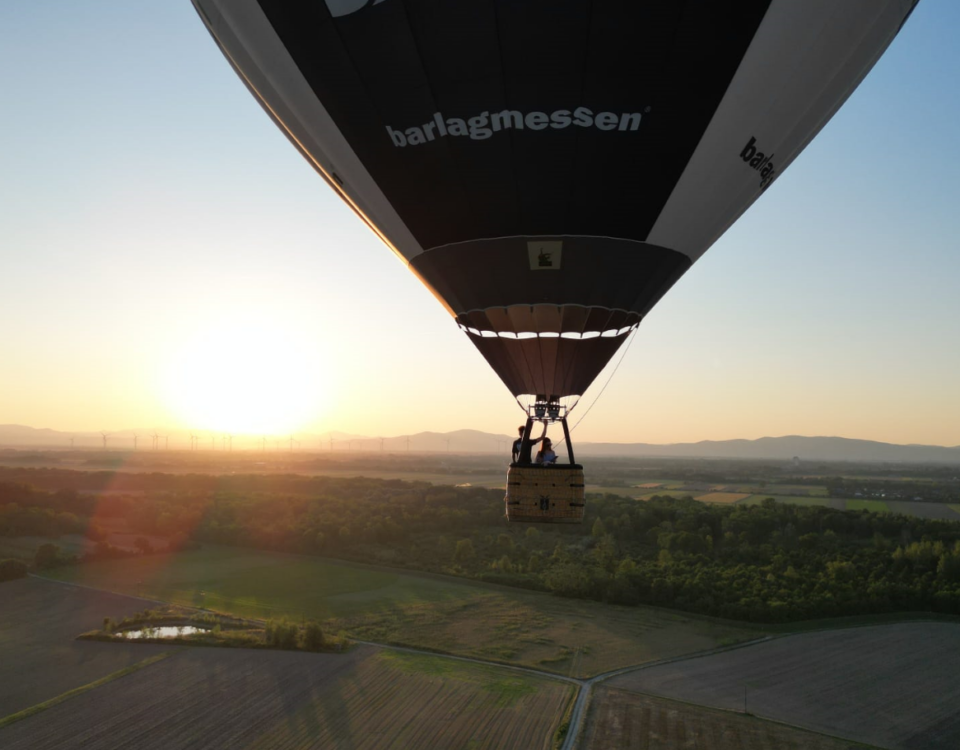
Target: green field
790,499
876,506
955,508
434,612
262,584
794,490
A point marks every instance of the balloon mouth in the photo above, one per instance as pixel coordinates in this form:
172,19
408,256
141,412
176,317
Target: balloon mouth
548,321
548,366
609,333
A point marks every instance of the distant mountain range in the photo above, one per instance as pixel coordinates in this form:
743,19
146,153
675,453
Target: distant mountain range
787,447
474,441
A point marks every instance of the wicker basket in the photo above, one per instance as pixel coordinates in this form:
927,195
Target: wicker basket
551,494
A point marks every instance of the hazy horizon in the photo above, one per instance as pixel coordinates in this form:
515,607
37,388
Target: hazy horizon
320,441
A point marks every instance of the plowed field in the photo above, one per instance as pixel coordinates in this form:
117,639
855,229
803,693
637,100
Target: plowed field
234,698
620,720
39,658
895,686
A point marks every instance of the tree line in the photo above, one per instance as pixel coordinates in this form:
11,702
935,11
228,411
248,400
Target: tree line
767,563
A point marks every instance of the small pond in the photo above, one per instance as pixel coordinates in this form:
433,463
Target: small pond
165,631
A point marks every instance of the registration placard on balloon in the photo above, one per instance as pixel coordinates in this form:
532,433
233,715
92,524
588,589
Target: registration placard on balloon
545,255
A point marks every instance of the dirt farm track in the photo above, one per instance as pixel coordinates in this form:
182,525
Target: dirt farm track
894,686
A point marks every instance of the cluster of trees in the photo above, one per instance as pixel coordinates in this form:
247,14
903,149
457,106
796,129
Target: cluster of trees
291,636
49,555
32,521
770,562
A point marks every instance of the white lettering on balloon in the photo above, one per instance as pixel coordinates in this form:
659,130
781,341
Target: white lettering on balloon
487,124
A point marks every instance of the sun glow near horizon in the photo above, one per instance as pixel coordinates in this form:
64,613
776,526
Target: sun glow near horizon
244,376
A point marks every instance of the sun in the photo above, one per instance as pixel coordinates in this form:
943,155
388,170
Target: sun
246,376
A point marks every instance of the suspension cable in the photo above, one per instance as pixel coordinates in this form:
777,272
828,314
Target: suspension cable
633,335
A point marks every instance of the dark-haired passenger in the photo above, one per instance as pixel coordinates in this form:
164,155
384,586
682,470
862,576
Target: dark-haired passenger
517,453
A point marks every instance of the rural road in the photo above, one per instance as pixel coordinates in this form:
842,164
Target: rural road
584,686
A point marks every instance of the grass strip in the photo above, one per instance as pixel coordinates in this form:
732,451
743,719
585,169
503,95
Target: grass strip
560,735
7,720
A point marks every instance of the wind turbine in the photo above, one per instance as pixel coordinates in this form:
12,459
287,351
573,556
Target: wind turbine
291,443
193,441
135,438
447,441
104,435
166,441
331,444
381,444
408,443
71,442
156,440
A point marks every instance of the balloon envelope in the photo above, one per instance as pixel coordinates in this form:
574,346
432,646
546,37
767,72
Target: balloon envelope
550,168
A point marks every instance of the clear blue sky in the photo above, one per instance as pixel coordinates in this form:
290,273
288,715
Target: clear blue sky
149,210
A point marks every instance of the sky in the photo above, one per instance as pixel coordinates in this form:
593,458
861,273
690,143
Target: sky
168,260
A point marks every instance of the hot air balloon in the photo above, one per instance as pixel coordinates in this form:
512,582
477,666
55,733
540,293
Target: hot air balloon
550,168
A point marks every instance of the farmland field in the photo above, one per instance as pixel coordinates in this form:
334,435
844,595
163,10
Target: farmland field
722,497
940,511
39,658
238,698
564,636
458,616
621,719
891,685
795,490
875,506
793,500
